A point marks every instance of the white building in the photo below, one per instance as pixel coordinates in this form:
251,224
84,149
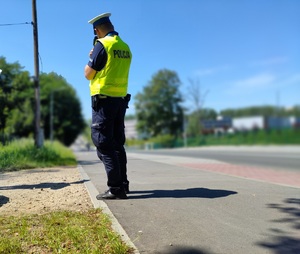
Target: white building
130,129
248,123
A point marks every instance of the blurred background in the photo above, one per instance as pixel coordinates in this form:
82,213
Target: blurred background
203,72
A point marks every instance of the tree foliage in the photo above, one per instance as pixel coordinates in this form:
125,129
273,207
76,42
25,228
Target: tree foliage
16,100
158,107
197,98
68,121
194,120
17,104
262,111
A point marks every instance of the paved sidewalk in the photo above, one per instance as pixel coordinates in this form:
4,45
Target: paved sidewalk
183,205
116,226
255,173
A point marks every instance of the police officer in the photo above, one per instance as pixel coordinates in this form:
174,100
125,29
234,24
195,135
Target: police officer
108,70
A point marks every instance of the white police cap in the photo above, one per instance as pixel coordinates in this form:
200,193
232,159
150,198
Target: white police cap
100,19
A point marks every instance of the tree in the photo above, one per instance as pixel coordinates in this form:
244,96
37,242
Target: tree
17,105
195,118
260,110
15,97
197,97
294,111
66,112
158,107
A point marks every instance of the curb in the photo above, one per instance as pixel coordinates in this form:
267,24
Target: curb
116,226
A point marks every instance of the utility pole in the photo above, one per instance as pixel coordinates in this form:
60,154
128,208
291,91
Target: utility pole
51,116
38,138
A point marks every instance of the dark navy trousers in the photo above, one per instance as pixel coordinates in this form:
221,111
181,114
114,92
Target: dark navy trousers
108,135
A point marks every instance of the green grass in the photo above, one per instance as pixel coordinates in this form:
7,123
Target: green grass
60,232
55,232
259,137
22,154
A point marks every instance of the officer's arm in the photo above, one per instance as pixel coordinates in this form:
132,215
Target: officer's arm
89,72
98,58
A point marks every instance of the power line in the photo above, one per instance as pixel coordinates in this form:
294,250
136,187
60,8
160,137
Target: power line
17,24
24,23
41,61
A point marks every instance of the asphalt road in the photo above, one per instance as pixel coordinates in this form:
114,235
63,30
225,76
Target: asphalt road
174,209
286,157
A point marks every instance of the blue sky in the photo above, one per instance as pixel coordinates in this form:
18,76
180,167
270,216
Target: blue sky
242,53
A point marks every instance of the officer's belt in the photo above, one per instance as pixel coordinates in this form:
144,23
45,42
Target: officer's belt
102,96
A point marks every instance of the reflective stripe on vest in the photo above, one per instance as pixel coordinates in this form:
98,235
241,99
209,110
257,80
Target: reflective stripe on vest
112,80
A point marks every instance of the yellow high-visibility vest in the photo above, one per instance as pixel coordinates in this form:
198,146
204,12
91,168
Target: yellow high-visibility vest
112,80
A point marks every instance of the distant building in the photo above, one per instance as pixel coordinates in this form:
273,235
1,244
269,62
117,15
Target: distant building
226,124
264,122
282,122
213,125
248,123
230,125
130,129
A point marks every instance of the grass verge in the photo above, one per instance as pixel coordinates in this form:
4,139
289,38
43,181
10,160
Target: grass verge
22,154
55,232
60,232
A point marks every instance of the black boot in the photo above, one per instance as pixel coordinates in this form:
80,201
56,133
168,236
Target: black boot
126,187
113,193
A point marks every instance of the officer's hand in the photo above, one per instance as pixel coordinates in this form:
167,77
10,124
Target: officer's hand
91,52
